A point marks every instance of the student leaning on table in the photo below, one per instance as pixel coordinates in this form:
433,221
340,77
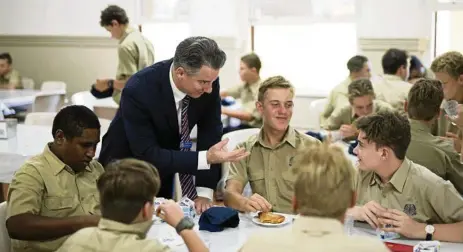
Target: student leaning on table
448,68
432,152
393,190
269,166
127,191
362,102
323,191
54,194
247,93
134,51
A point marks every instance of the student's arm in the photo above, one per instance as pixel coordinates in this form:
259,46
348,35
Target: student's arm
24,202
128,66
172,214
234,91
234,195
338,118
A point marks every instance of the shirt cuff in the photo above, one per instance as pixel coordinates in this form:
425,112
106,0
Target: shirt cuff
205,192
202,161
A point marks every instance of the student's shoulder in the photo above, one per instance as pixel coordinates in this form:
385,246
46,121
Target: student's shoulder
363,243
305,139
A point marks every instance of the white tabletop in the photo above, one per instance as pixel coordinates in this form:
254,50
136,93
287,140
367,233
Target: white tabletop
105,102
231,239
30,140
20,97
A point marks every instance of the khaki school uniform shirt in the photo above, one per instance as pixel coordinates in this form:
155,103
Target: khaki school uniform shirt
312,234
112,236
414,190
269,170
135,52
393,90
337,99
247,93
11,77
346,115
436,154
46,186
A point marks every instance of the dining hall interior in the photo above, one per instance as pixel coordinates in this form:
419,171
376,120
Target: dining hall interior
60,51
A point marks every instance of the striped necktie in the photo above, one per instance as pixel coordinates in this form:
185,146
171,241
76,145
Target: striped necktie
186,180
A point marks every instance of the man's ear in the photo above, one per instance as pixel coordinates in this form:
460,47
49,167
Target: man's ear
460,79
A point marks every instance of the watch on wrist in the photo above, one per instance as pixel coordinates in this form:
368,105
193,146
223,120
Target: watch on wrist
185,223
429,232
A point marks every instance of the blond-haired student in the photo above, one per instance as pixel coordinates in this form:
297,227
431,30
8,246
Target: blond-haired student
323,191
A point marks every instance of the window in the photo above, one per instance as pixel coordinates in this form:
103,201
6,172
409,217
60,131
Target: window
165,37
312,56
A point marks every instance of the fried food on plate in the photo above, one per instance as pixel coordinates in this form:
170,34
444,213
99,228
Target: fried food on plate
270,218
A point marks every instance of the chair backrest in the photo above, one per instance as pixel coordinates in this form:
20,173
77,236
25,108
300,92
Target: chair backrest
5,243
315,110
40,118
105,112
84,98
27,83
48,102
53,85
235,137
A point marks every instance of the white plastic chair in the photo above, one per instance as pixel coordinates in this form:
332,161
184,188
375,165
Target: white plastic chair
236,137
27,83
315,110
40,118
53,85
105,112
84,98
48,102
104,126
5,243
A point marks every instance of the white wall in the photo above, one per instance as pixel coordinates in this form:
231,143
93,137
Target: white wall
57,17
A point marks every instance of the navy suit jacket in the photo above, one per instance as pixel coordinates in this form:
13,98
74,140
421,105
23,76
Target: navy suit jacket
146,127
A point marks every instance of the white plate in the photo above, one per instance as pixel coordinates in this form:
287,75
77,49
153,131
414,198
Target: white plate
288,219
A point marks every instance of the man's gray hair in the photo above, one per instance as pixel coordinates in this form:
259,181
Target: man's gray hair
195,52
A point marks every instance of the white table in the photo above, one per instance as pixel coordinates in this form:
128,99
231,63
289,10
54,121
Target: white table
231,239
18,97
105,102
30,140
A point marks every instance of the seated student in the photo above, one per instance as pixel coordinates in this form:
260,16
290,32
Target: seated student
392,190
392,87
323,191
268,168
432,152
127,191
362,102
54,194
448,68
9,77
418,71
359,68
247,92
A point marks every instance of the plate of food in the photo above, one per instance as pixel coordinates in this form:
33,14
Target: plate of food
269,219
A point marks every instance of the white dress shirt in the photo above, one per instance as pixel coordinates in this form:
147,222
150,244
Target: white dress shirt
202,158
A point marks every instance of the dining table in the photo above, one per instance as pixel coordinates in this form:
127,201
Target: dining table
23,97
232,239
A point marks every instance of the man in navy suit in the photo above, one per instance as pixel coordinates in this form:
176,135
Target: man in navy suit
160,105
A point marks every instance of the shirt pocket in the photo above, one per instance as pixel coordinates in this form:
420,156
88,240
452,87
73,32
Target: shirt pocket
257,182
58,206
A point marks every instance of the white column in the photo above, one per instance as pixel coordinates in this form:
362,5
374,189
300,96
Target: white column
225,21
394,23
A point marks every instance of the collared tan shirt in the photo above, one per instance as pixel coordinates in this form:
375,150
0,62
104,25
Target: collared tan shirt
312,234
416,191
337,99
9,78
269,170
135,52
46,186
247,94
435,153
347,116
112,236
393,90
